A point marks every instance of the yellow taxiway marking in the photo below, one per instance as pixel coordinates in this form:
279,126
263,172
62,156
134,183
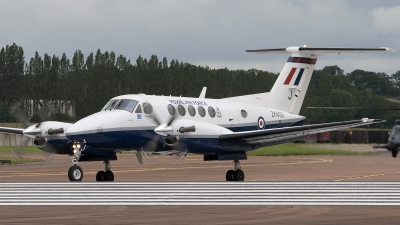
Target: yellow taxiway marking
365,176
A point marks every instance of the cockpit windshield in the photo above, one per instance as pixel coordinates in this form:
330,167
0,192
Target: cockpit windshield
110,104
126,104
395,132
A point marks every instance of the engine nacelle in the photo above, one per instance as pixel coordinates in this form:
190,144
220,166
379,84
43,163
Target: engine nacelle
171,140
51,137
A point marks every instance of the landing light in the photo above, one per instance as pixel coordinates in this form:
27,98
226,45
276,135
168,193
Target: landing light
74,146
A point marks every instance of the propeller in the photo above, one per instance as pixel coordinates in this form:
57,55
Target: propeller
164,130
18,114
184,156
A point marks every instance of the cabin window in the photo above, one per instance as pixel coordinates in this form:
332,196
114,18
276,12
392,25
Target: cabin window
181,110
171,110
147,108
110,104
244,113
191,110
211,111
138,109
202,111
125,104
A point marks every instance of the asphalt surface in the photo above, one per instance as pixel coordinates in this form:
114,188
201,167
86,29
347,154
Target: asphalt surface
364,168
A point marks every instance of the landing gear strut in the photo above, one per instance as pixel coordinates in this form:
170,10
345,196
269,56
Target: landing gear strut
75,172
106,175
236,174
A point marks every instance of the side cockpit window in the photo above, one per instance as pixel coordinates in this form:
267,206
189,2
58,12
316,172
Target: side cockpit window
138,109
110,104
125,104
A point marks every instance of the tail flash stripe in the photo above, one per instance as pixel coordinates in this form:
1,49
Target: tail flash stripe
302,60
299,76
289,77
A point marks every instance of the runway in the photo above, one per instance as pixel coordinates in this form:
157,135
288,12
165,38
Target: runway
201,194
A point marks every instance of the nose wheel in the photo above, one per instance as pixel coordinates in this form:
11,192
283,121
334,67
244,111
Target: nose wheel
106,175
75,173
235,175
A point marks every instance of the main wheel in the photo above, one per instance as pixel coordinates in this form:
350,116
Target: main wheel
108,176
238,175
100,176
229,175
395,152
75,173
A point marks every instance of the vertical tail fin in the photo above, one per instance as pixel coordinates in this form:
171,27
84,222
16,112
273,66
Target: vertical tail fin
290,88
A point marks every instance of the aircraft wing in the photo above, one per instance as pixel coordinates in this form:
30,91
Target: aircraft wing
11,130
282,135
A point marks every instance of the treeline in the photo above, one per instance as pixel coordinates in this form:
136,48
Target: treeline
86,83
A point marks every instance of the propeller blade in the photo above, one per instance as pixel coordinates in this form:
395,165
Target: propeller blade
46,111
184,156
171,119
152,146
50,157
18,114
19,150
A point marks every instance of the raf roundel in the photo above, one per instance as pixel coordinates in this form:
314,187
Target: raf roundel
261,123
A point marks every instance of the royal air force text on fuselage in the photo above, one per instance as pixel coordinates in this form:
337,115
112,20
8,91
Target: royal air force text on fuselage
180,102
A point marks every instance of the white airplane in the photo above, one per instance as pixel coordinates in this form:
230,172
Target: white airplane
219,129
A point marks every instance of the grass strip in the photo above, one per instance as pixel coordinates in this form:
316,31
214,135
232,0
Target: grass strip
20,161
28,149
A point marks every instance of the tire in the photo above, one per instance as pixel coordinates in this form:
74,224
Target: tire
100,176
108,176
239,175
75,173
395,152
229,175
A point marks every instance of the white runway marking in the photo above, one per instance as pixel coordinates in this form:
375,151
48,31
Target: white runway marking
185,193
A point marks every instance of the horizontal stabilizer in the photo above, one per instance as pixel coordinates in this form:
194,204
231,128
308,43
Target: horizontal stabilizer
319,51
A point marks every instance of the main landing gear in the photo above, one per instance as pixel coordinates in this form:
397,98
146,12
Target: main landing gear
107,174
395,152
236,174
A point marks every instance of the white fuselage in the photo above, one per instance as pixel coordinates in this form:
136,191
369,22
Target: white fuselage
122,129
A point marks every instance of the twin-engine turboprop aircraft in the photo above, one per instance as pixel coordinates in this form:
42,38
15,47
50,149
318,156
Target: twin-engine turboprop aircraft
219,129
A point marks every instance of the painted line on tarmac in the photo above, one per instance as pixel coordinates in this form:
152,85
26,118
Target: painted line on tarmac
197,193
365,176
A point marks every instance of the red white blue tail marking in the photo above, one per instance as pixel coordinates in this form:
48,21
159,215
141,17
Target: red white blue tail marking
294,72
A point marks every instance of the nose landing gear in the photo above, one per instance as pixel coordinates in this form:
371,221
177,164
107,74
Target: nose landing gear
75,172
235,175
